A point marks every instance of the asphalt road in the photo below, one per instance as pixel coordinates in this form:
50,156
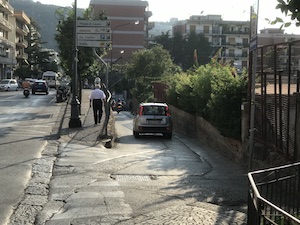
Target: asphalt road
26,123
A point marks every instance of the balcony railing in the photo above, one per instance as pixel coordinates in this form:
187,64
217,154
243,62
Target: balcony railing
274,196
4,4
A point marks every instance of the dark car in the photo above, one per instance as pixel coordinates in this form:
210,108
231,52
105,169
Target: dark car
40,86
153,118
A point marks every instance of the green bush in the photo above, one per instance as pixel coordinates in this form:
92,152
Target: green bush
213,91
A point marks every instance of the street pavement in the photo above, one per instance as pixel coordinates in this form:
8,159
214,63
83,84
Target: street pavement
67,188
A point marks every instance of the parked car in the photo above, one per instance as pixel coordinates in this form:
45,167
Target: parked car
40,86
153,118
9,84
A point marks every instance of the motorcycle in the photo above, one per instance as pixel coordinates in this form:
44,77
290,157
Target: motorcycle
119,108
62,93
26,92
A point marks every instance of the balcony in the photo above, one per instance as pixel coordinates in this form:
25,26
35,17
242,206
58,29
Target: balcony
6,7
148,14
22,43
4,24
22,55
22,30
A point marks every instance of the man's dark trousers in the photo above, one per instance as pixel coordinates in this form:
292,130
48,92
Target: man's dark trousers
97,109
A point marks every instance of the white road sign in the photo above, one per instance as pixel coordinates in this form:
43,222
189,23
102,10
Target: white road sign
95,44
94,37
93,23
93,33
93,30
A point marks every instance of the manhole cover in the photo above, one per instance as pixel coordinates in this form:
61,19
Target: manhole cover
134,177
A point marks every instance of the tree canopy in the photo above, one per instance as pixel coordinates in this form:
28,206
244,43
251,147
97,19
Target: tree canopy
146,66
289,8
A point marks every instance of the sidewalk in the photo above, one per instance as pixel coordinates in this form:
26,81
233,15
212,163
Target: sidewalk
89,134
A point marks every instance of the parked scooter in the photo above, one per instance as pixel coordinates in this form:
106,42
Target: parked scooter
62,93
26,92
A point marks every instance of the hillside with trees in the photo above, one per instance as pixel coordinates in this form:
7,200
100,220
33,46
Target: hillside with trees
44,16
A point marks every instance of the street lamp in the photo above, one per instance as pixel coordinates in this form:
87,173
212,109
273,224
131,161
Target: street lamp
111,62
75,104
112,43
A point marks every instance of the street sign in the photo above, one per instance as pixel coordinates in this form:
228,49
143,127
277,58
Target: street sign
94,44
94,37
93,23
93,30
93,33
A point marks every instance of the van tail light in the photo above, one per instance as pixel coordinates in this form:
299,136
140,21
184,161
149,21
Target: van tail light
141,111
168,112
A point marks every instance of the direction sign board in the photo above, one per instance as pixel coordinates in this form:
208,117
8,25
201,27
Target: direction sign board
95,44
94,37
93,23
93,30
93,33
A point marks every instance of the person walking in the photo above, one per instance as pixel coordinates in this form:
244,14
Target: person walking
97,97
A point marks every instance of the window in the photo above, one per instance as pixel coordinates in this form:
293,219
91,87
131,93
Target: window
206,29
192,28
231,41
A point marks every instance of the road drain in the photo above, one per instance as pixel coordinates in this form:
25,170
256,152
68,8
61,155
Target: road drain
126,177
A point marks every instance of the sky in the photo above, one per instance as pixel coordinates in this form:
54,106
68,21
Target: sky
236,10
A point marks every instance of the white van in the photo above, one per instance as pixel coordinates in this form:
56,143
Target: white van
51,78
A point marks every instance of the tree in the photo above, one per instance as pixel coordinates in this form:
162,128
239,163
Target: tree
65,41
199,43
182,49
146,66
38,60
288,7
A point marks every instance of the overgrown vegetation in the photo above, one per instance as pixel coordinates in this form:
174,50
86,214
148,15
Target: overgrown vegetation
213,91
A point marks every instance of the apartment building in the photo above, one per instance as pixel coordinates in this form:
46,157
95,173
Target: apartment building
13,29
22,30
7,41
270,36
287,49
230,36
129,26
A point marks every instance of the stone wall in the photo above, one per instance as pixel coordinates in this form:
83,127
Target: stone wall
204,132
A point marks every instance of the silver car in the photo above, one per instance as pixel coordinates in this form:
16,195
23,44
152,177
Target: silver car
153,118
9,84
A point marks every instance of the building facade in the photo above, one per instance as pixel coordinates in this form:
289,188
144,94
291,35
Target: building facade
129,26
22,30
232,37
13,29
7,40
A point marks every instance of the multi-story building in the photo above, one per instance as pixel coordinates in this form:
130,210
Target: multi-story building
22,30
129,26
287,49
7,41
271,36
232,37
13,29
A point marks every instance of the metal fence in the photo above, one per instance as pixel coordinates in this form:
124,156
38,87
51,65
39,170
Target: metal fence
274,196
278,73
